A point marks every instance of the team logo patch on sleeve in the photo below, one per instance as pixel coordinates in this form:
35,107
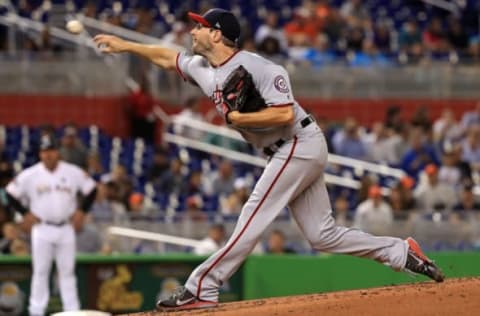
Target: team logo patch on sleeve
280,84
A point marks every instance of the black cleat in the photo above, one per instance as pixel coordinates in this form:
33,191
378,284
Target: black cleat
417,262
182,299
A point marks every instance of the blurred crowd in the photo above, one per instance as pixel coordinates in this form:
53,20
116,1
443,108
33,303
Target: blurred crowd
440,158
312,32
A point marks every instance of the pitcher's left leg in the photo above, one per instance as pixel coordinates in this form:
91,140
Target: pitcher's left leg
65,260
313,214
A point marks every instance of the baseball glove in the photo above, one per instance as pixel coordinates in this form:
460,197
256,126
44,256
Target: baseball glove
240,94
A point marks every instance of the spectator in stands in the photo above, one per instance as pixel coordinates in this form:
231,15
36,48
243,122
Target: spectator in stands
248,44
302,29
419,154
457,36
270,48
471,147
106,205
191,112
474,47
271,29
122,181
351,145
393,117
72,149
354,39
90,9
194,211
326,128
140,109
453,171
471,118
374,215
334,27
6,173
355,13
369,56
233,203
434,37
400,137
138,208
432,195
173,180
179,35
382,38
276,243
468,206
410,39
195,183
317,56
381,146
146,23
88,239
160,164
94,165
446,128
224,178
401,198
341,209
214,241
421,119
366,182
47,129
13,242
3,139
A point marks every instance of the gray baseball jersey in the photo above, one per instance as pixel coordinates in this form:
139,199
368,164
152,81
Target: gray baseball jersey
270,79
293,176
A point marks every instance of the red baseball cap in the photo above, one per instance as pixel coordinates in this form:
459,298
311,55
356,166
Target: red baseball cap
374,191
219,19
431,169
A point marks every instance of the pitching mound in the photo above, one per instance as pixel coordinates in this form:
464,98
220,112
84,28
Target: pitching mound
453,297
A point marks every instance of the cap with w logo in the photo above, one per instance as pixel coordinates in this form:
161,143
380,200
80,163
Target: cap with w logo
219,19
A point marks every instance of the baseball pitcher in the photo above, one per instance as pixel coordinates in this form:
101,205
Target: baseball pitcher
255,97
51,187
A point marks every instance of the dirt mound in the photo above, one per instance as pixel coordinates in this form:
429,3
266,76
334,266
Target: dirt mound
453,297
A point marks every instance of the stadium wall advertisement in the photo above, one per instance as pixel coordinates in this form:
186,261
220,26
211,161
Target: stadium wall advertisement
128,283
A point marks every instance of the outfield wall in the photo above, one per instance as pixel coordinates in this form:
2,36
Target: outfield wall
132,283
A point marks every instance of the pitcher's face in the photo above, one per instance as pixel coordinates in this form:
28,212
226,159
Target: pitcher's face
202,39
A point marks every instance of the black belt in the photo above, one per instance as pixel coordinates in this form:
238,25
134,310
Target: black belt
306,121
55,223
270,150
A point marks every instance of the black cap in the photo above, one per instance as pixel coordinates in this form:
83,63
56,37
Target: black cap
219,19
48,142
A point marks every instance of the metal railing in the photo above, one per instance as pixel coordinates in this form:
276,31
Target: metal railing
434,235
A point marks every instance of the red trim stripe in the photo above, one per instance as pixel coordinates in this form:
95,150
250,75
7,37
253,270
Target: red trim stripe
178,68
249,220
198,18
227,60
281,105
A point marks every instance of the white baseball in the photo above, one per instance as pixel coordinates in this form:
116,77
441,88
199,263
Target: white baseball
74,26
